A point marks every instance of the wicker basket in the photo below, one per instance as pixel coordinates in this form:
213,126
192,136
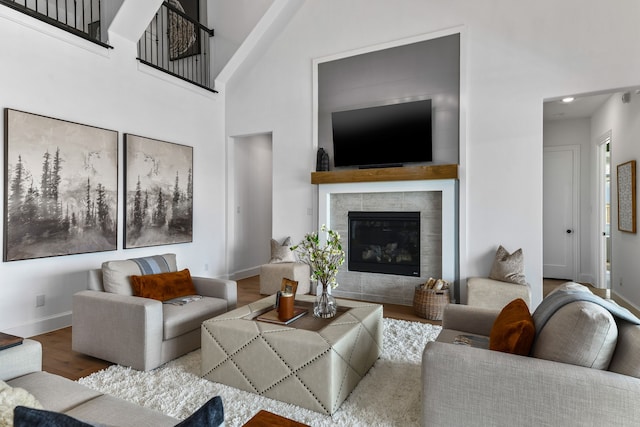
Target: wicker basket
430,304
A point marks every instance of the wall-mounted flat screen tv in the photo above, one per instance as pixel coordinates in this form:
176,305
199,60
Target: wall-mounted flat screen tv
391,134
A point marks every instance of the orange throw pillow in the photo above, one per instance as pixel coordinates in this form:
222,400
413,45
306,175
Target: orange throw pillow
163,286
513,330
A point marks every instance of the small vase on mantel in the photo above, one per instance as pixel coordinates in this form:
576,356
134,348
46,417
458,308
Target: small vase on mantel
325,305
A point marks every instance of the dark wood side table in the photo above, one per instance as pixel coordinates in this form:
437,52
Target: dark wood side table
8,340
269,419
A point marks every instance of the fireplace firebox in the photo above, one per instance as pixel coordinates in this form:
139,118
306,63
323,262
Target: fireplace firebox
384,242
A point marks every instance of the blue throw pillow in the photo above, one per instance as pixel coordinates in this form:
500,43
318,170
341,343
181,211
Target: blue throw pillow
29,417
209,414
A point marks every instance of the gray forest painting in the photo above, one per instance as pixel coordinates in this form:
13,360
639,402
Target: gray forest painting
61,187
159,187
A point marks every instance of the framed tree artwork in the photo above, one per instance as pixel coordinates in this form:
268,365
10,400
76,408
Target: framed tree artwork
627,196
159,192
61,187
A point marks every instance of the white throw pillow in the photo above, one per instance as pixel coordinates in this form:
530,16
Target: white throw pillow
508,267
281,252
10,397
116,274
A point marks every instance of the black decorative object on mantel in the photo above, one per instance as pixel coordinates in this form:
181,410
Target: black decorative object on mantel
322,160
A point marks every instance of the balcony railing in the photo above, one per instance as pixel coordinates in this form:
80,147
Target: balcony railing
176,43
80,17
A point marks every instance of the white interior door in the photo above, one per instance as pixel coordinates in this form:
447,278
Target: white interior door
560,220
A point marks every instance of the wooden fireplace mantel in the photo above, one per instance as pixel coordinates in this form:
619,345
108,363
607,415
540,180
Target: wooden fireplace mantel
409,173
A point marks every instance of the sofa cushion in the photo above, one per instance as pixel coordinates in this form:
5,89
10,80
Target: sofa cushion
54,392
180,319
10,397
513,330
281,252
163,286
508,267
113,411
626,357
115,274
580,333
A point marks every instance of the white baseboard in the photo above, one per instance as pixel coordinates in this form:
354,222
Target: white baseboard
41,326
243,274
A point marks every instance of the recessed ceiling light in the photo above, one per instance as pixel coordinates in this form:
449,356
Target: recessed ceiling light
568,99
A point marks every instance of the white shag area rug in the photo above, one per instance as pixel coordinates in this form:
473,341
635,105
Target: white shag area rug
389,395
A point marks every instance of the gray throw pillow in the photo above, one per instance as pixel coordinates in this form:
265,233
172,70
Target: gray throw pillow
508,267
281,252
626,357
580,333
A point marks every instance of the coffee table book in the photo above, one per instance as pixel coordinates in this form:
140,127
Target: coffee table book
272,316
7,341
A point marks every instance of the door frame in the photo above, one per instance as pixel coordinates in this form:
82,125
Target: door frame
575,201
600,197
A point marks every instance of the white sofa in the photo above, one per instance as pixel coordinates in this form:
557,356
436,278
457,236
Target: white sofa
21,366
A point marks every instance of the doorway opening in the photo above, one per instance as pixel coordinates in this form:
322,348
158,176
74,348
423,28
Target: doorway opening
250,204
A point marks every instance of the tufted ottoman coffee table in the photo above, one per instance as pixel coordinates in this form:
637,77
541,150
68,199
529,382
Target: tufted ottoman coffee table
313,363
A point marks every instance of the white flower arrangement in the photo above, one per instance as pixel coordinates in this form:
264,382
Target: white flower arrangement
323,260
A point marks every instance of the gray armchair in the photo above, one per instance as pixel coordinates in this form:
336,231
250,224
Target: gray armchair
140,332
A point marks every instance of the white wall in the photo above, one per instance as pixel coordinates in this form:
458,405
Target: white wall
514,55
623,121
231,20
49,72
578,132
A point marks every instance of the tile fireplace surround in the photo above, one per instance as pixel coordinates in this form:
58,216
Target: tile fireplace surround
435,199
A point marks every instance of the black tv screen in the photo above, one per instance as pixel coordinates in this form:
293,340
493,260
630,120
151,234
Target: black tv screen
378,136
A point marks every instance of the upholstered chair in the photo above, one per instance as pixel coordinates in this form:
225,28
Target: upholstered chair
111,323
506,282
283,265
495,294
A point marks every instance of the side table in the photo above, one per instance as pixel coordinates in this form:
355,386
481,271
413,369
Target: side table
269,419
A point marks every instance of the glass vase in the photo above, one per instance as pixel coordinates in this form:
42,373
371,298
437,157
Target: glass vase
325,305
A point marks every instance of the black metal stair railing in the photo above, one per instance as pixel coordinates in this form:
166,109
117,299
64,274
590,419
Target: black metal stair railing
79,17
176,43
